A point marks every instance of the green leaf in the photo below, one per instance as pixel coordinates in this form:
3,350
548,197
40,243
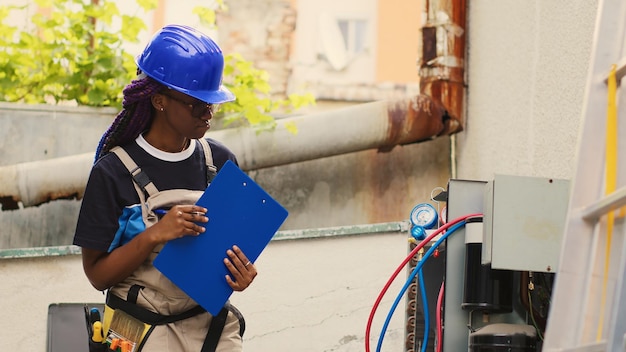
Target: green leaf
206,15
131,27
148,4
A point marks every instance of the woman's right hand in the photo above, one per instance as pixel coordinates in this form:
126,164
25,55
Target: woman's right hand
105,269
179,221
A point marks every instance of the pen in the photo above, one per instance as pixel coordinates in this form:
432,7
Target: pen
162,212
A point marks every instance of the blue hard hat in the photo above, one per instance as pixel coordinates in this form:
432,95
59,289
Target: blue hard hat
186,60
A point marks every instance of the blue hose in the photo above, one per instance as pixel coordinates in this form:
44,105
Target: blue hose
426,315
410,280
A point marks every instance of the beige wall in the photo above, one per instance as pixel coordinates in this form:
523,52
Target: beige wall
399,23
310,295
527,71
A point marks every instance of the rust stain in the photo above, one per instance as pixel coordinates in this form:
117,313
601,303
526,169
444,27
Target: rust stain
12,202
395,181
8,203
413,120
442,66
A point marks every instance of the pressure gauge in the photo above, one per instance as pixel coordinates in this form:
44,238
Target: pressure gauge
444,215
424,215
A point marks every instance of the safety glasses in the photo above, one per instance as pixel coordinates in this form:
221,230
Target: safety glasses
198,109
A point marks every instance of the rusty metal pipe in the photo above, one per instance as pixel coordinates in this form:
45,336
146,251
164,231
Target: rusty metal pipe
377,125
442,61
37,182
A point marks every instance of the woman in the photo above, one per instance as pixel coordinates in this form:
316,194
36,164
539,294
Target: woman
166,112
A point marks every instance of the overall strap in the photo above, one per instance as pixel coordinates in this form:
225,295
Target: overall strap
217,327
147,316
211,170
141,179
215,331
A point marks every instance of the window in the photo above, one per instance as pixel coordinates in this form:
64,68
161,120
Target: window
342,39
353,32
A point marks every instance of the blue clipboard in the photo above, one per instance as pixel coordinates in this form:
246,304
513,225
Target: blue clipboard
240,213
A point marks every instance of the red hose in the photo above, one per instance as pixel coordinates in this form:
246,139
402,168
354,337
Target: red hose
439,340
401,266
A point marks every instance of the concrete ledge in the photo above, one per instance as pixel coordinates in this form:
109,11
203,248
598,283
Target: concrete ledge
368,229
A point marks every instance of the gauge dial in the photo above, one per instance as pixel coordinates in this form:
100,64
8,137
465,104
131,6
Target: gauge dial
424,215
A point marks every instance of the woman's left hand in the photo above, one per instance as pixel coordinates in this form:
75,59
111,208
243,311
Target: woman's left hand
242,271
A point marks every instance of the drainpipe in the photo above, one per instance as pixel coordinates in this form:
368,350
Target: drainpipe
442,65
378,125
37,182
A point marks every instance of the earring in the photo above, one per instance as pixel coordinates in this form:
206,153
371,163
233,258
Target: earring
161,109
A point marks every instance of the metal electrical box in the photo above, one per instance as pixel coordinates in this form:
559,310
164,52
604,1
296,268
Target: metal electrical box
524,220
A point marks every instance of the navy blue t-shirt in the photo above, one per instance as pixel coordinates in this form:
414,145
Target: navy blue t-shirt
110,213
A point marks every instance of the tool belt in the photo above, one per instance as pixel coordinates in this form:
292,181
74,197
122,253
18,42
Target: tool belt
128,326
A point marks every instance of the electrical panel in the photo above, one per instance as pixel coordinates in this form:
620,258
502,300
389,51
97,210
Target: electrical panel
524,220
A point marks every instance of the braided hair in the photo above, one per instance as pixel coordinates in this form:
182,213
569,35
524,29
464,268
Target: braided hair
135,117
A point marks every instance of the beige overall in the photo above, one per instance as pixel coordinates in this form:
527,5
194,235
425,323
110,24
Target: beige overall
158,294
